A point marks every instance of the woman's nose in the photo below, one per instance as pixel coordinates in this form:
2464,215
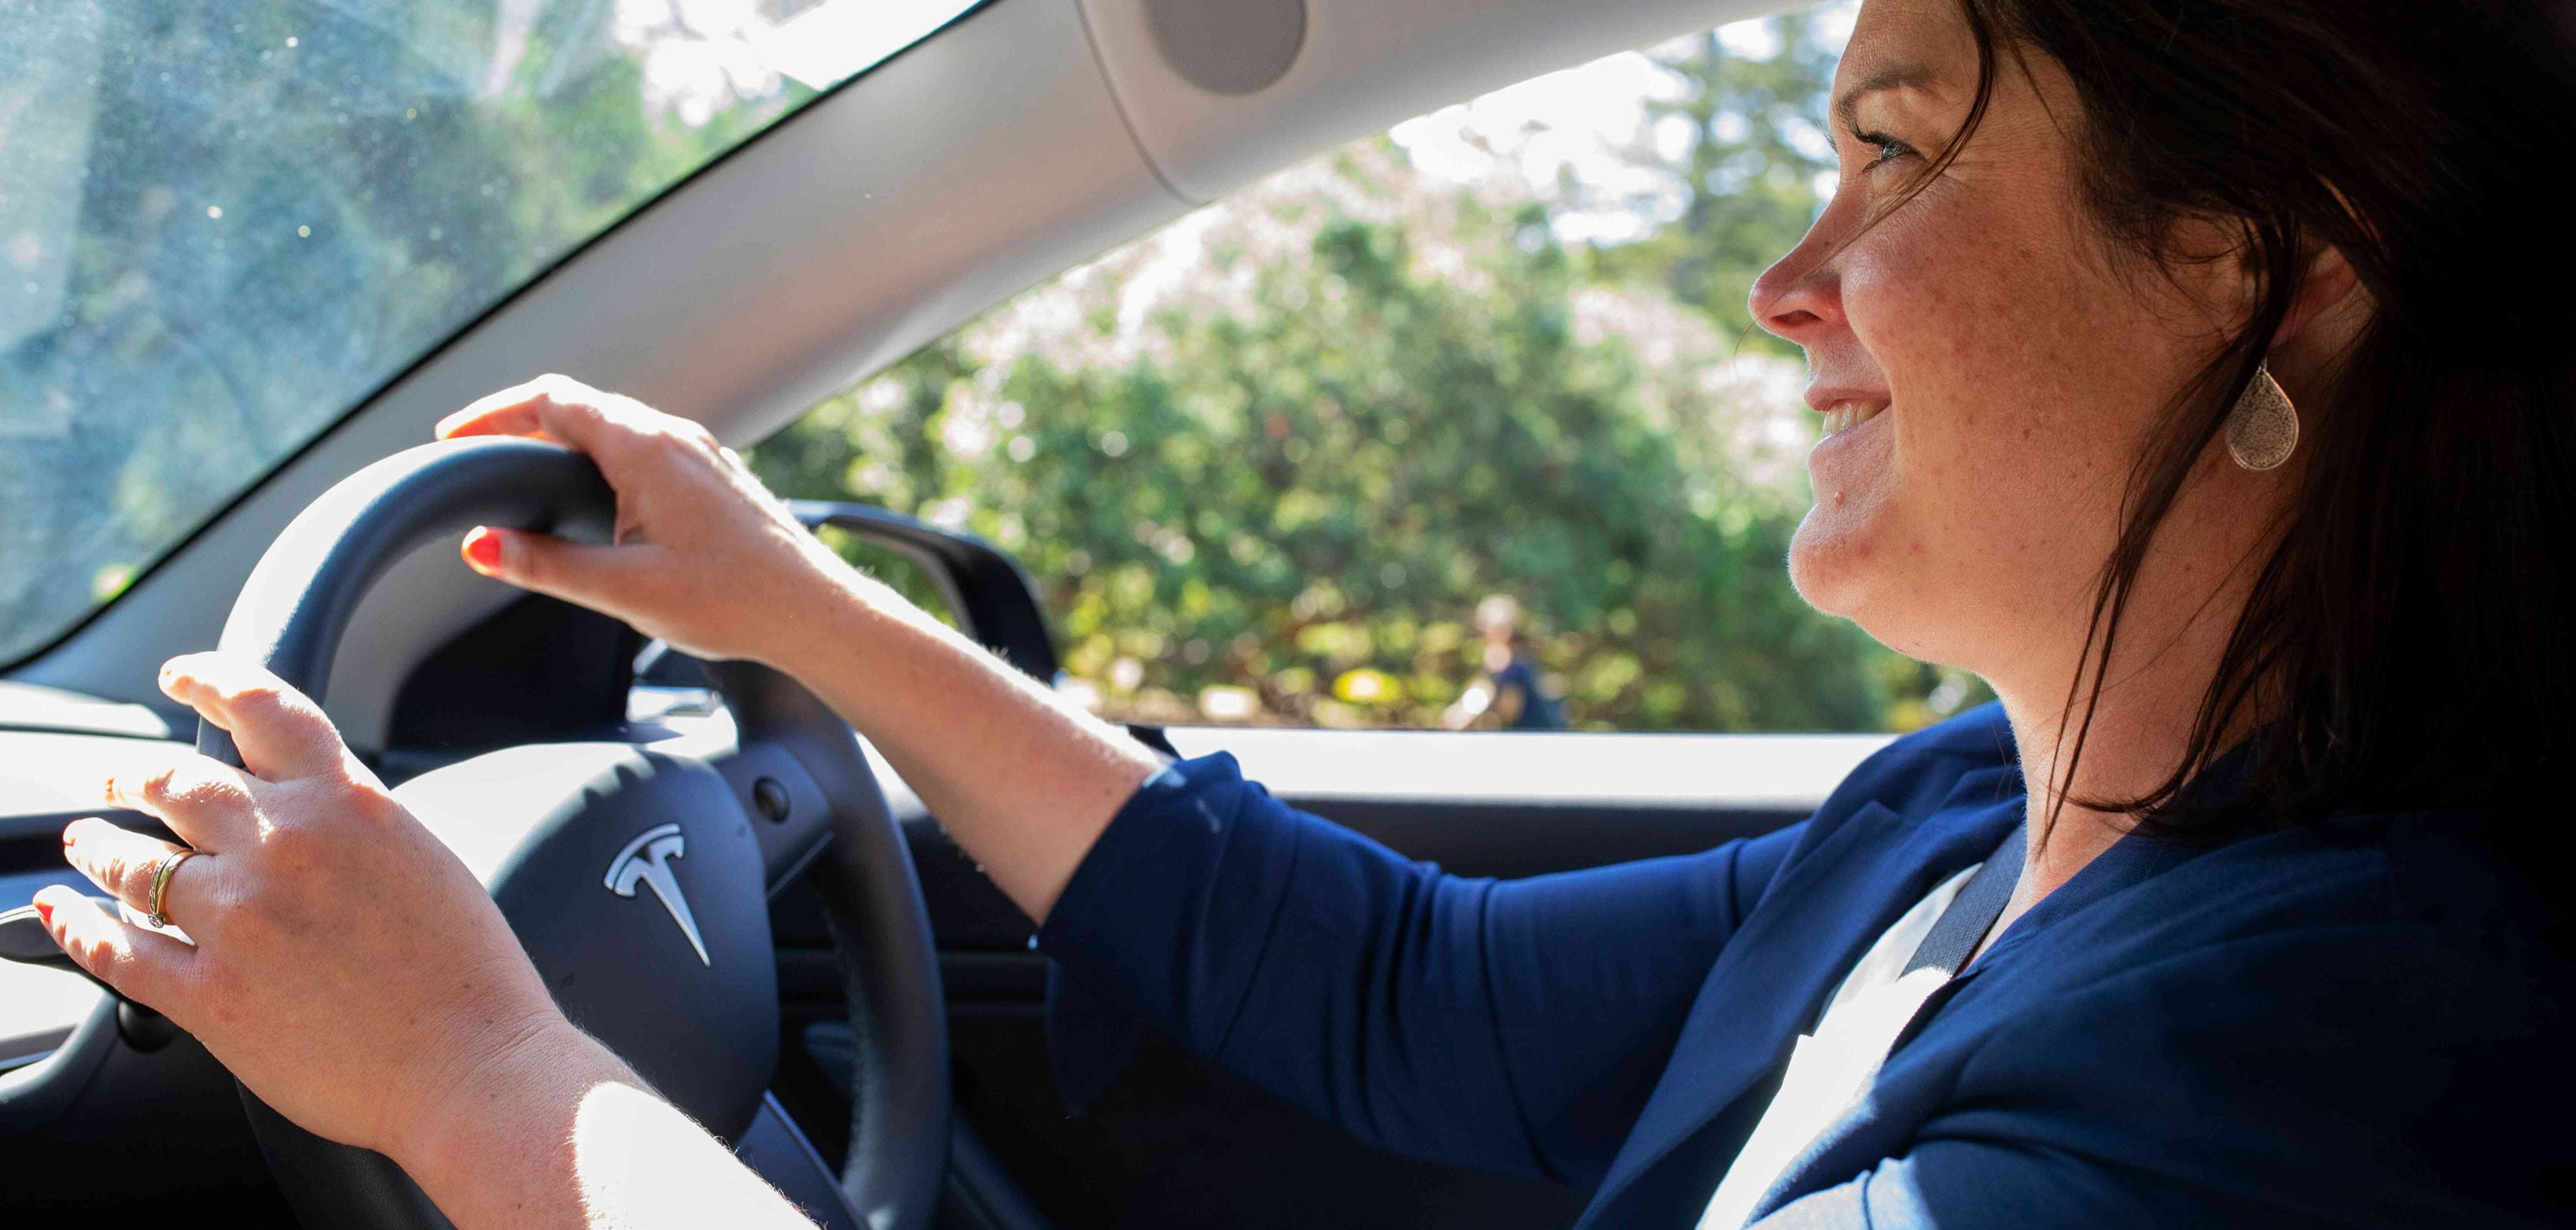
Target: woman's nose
1799,296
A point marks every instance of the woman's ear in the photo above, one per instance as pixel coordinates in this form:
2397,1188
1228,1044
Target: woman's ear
2325,301
2328,311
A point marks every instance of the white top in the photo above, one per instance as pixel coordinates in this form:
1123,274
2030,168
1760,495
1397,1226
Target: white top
1831,1068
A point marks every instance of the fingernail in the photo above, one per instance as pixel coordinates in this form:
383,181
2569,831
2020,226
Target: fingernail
45,911
483,548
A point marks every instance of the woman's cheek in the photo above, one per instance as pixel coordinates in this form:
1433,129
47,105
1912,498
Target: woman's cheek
1898,522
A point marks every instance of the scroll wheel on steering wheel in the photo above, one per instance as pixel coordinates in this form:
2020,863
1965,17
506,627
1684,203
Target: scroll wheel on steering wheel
23,938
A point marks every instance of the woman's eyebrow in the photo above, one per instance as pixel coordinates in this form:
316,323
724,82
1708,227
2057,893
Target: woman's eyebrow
1893,77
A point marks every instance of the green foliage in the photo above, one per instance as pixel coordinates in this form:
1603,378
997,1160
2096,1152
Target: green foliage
1756,143
1278,494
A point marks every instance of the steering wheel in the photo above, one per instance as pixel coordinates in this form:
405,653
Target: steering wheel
637,877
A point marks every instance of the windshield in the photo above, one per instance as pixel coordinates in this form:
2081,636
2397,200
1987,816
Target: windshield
224,225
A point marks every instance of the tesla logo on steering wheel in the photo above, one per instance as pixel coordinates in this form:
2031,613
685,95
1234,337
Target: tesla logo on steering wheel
647,861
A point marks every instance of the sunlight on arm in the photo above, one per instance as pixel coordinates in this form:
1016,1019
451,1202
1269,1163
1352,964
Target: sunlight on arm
641,1163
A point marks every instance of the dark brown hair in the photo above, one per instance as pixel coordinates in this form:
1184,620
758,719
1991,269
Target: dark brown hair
2407,641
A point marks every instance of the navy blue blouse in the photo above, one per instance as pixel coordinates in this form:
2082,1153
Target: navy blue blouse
2357,1022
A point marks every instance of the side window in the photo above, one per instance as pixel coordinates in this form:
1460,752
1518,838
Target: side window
1461,425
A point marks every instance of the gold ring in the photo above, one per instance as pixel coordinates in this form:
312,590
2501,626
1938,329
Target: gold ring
161,882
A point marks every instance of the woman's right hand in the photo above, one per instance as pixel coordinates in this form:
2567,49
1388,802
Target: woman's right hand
696,531
707,559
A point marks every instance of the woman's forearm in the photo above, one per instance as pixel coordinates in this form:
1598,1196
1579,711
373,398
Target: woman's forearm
561,1134
1020,777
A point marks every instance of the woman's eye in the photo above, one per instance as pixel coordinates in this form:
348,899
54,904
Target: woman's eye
1882,148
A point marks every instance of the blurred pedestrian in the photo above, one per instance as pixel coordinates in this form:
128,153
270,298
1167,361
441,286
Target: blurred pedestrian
1511,695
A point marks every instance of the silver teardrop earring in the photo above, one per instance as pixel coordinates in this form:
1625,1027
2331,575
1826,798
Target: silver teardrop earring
2263,429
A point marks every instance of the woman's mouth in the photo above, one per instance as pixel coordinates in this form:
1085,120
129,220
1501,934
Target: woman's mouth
1842,416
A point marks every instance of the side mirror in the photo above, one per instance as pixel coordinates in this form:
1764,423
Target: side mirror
992,597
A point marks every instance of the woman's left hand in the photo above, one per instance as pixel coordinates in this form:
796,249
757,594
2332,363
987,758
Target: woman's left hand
345,965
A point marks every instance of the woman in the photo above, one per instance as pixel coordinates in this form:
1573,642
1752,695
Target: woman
2193,373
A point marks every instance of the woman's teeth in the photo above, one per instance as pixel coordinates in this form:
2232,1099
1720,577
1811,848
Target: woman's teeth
1845,415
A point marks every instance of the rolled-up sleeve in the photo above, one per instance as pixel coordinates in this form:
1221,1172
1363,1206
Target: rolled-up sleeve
1515,1026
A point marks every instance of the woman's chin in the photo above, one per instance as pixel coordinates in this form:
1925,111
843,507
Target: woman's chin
1845,571
1830,564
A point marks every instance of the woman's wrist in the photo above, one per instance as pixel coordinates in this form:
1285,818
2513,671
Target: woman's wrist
497,1128
801,610
832,613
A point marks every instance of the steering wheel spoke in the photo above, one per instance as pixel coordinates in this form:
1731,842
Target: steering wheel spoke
791,811
635,883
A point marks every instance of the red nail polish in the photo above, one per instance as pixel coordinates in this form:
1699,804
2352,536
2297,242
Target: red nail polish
45,911
483,548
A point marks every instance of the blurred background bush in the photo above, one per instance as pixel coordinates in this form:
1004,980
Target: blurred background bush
1266,462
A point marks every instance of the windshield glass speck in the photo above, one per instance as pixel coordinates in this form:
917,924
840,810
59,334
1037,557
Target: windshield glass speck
223,225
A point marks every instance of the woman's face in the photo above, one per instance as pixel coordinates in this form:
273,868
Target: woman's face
1986,366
